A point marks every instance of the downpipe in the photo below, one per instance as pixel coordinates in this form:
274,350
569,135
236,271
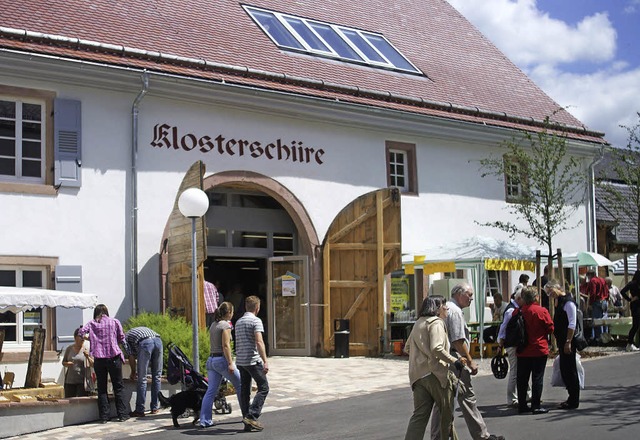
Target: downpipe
134,191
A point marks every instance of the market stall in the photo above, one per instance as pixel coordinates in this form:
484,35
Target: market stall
477,255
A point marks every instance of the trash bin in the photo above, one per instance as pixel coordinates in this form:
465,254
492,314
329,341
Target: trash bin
341,335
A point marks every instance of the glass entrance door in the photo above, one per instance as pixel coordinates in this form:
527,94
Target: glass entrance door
288,305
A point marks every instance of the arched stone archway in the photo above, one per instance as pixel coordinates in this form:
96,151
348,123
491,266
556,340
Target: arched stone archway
308,238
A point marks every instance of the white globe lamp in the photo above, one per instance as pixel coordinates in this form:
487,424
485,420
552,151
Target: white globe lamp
193,203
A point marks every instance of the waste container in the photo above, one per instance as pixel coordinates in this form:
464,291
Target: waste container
341,336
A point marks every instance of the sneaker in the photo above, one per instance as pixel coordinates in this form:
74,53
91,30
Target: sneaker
495,437
207,426
136,414
155,411
255,425
631,347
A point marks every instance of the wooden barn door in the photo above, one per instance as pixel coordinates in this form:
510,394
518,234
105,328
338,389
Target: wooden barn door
179,253
362,245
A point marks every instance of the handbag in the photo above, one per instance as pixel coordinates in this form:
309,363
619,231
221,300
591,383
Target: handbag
579,341
89,377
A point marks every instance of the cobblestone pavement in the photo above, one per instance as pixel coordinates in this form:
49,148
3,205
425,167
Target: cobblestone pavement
293,381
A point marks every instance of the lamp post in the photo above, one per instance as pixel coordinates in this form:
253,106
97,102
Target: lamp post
193,203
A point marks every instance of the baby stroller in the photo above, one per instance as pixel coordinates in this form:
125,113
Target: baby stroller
179,369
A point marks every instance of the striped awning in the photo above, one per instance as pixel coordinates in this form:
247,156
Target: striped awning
618,266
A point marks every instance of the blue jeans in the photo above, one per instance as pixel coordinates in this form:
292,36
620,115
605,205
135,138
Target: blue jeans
255,372
217,368
598,308
149,354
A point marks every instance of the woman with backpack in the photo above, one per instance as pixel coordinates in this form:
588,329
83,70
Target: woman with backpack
532,359
564,323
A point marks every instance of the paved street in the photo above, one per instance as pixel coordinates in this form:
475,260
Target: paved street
361,398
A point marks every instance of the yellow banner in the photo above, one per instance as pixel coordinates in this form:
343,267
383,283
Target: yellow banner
409,269
445,266
496,264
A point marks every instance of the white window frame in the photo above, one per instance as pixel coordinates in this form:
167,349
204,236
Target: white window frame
331,52
43,186
18,139
20,324
513,187
393,176
409,163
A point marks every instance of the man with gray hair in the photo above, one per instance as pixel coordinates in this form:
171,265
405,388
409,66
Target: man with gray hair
458,333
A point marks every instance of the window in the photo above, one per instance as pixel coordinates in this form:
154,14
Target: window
22,140
19,326
514,181
401,166
40,141
330,40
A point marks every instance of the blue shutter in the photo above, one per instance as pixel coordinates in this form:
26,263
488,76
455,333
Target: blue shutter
67,142
67,278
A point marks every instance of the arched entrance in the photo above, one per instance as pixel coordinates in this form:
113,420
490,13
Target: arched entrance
259,240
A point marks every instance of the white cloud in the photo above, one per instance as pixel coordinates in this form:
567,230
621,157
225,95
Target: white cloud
544,47
603,100
632,7
530,36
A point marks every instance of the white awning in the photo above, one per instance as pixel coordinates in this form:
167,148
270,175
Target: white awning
19,299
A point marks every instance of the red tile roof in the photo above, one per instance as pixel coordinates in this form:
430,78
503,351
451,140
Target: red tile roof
468,78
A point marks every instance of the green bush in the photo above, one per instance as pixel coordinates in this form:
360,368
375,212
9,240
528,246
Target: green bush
174,330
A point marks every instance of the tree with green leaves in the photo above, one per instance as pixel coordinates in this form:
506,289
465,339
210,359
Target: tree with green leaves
622,187
545,184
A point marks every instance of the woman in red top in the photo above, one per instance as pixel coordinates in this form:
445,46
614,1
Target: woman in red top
533,359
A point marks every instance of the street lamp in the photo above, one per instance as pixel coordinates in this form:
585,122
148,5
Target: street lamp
193,203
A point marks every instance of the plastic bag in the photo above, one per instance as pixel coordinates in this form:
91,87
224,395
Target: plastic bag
556,376
580,371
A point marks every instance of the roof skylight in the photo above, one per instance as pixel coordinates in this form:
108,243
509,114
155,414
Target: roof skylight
330,40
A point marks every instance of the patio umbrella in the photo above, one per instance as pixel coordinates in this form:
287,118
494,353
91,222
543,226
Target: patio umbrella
592,259
632,265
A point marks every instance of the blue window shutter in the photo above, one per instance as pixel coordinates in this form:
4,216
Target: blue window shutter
67,142
67,278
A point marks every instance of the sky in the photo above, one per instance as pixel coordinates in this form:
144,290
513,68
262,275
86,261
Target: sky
585,54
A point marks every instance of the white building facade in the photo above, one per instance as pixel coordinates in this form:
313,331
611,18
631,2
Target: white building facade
105,205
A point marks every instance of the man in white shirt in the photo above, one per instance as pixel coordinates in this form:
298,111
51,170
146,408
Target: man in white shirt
512,395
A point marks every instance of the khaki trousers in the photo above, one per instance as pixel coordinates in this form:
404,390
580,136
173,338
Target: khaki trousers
427,395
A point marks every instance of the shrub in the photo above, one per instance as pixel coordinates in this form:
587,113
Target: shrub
176,330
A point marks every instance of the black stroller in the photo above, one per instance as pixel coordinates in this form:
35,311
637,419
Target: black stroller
180,369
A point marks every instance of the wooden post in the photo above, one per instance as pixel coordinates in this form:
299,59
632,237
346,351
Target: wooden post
326,281
1,344
538,258
380,268
34,368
